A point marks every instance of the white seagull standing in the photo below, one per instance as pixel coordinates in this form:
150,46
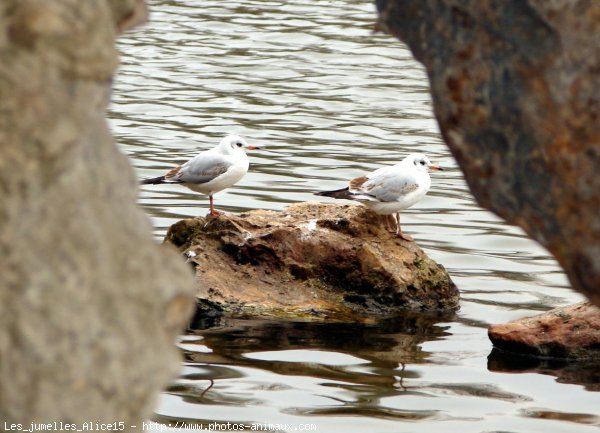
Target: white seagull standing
211,171
388,190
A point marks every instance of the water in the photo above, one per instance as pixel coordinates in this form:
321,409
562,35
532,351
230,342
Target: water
331,101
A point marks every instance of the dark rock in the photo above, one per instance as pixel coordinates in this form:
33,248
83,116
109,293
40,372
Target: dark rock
516,93
571,332
206,315
313,261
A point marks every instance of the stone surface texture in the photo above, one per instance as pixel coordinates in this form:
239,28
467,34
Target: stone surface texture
516,92
312,260
567,332
89,304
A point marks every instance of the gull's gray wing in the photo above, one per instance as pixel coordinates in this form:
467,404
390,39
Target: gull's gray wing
200,169
388,184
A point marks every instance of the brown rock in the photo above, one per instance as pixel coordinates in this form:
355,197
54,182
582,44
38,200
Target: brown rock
516,93
312,260
568,332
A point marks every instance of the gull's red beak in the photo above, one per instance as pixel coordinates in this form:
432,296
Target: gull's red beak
249,147
436,167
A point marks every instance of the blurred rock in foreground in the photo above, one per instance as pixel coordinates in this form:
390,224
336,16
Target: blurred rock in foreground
89,304
516,92
571,332
312,260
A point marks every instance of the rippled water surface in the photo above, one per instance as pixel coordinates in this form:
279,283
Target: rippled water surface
330,101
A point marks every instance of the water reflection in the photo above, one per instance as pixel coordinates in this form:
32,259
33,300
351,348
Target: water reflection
356,366
584,373
386,343
378,371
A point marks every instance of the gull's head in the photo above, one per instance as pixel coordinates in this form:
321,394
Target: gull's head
421,162
235,143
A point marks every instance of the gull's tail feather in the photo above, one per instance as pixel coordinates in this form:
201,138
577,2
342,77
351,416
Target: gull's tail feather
153,181
343,193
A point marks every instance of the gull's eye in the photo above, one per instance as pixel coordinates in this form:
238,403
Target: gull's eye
239,144
422,162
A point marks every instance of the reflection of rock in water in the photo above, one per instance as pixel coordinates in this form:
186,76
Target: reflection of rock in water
584,373
401,335
311,261
384,347
370,361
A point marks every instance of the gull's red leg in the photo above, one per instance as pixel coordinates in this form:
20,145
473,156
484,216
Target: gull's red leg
399,230
212,212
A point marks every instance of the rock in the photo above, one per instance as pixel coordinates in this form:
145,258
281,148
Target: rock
516,93
571,332
85,293
312,260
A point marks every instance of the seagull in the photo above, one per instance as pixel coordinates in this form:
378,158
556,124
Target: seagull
388,190
211,171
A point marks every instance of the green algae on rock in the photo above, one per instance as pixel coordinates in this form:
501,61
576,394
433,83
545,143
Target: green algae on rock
313,260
